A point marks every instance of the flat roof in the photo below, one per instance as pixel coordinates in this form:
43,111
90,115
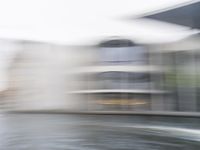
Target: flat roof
186,15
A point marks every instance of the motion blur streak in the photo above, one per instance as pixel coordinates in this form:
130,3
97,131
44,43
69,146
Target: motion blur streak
100,75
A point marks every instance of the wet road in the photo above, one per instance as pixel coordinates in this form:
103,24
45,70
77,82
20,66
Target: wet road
100,132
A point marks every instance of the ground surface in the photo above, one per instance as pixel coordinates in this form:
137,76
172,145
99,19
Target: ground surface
97,132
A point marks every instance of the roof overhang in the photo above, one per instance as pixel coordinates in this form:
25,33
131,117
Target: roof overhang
187,14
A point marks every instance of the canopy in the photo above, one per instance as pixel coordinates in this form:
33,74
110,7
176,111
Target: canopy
186,15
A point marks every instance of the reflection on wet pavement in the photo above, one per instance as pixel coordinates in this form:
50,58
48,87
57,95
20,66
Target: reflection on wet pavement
90,132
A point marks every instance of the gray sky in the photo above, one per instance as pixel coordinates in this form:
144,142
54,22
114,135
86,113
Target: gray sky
85,21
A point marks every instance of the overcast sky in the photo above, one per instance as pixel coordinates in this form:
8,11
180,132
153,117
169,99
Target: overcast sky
84,21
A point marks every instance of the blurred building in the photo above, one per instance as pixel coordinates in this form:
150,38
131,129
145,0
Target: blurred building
182,59
112,75
116,74
40,76
122,78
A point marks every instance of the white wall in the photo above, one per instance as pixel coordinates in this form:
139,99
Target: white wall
41,77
